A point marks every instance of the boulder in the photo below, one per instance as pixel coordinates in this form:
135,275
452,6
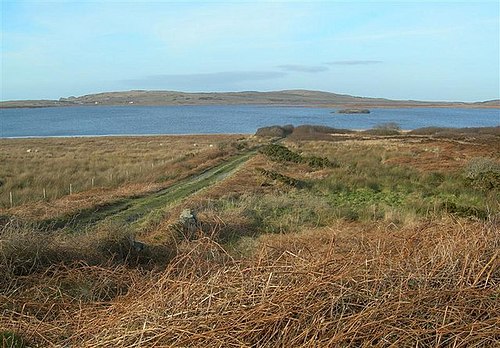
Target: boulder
189,223
353,111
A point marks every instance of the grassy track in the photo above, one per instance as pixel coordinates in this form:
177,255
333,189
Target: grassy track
136,209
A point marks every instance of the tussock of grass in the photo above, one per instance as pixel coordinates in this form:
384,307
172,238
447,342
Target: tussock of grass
26,249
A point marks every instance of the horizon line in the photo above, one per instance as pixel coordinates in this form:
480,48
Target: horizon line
255,91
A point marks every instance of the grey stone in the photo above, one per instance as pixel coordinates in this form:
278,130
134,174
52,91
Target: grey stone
189,222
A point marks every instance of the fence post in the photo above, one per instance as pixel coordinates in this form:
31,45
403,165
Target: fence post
44,193
70,189
92,182
11,199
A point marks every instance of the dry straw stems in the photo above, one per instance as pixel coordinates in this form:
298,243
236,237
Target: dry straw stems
349,285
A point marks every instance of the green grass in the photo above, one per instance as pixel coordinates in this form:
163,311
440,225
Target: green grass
137,210
361,188
31,167
9,339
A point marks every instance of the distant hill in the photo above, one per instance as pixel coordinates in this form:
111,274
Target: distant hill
287,97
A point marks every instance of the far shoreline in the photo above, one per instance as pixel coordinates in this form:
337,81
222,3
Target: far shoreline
125,135
319,106
357,131
295,97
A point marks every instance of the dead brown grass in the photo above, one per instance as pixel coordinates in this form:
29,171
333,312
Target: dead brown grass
442,155
121,167
349,285
424,154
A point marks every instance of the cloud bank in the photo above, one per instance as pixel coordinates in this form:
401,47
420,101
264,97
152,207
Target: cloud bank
302,68
355,62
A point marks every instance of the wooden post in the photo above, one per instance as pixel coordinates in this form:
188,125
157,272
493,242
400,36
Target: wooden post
11,199
70,189
92,182
44,193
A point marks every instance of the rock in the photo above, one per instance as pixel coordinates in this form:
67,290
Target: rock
189,223
188,217
135,245
138,246
353,111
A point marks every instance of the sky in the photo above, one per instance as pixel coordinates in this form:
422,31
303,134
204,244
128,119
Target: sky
400,50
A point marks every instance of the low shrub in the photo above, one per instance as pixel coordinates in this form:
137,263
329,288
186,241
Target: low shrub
384,129
483,174
316,132
275,131
280,153
284,179
464,211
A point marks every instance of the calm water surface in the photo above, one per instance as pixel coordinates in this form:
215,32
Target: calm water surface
128,120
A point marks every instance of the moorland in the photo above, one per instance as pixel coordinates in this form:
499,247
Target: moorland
302,237
286,97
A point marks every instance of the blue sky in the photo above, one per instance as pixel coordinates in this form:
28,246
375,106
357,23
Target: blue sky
400,50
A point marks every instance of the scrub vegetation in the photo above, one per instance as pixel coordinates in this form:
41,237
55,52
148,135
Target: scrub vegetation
355,239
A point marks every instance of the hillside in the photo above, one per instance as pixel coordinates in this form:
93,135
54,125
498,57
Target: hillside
286,97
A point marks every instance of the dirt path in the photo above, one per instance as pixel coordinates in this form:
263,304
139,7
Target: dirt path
136,209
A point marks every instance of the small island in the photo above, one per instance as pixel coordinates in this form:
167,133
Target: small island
353,111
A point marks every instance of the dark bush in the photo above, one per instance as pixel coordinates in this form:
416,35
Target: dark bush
320,162
464,211
284,179
483,174
281,153
275,131
390,128
312,132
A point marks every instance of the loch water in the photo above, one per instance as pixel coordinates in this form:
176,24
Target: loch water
213,119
